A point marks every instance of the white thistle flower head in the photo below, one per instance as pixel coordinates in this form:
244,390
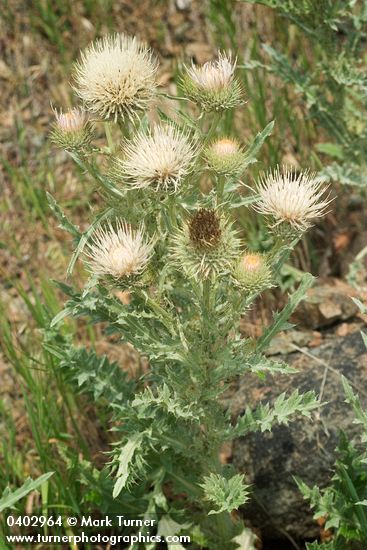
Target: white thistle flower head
115,77
119,252
213,85
225,156
159,159
206,246
72,130
213,75
291,198
252,272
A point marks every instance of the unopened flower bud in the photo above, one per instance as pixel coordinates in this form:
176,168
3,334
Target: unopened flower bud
72,130
225,156
213,85
253,272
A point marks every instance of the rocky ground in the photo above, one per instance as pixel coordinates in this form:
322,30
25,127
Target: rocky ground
325,345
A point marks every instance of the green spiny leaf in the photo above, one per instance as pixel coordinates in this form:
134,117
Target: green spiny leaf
63,220
167,527
227,494
265,416
126,462
258,142
280,319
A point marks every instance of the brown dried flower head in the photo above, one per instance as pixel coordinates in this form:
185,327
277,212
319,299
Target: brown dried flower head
204,228
206,246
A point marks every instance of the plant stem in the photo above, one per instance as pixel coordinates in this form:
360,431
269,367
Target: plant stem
206,314
162,314
91,169
221,181
172,213
125,129
111,144
212,128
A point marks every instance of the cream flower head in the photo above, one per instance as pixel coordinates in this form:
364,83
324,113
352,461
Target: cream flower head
213,85
119,251
160,158
213,75
292,198
225,147
115,77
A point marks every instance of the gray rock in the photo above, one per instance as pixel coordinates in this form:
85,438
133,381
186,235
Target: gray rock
305,448
326,304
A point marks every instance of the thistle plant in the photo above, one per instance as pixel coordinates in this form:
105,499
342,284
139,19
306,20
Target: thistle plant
190,276
342,503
